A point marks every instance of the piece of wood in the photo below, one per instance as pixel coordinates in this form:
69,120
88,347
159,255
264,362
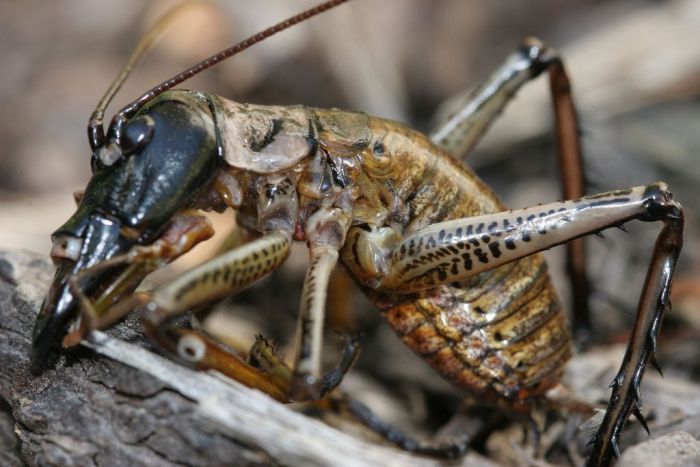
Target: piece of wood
130,406
122,404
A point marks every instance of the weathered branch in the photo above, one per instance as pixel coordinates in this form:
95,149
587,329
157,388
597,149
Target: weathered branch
122,404
136,407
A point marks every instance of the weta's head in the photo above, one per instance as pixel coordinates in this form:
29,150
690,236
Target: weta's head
160,153
166,156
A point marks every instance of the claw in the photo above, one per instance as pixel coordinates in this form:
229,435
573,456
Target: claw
638,415
655,363
617,381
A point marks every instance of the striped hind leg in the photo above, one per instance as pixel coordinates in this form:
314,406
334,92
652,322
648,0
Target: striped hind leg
455,250
459,133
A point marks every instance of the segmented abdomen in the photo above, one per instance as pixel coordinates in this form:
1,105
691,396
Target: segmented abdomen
501,334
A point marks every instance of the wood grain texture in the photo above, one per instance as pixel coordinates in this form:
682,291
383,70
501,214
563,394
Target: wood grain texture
130,406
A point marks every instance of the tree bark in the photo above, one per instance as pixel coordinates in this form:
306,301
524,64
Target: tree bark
114,401
122,404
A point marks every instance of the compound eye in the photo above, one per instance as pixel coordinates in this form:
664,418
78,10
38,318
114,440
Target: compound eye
137,134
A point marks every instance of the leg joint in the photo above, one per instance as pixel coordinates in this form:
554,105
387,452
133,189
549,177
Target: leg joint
659,204
541,56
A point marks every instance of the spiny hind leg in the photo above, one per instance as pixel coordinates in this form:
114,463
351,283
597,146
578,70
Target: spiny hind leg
641,349
465,128
455,250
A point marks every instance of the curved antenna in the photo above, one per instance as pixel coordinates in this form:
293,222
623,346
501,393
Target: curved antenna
117,124
95,129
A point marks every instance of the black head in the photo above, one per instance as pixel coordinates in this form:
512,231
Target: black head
166,157
159,154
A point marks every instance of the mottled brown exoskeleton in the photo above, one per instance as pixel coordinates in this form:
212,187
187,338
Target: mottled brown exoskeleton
453,271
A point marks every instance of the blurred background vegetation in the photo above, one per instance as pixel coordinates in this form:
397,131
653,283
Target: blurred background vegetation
635,68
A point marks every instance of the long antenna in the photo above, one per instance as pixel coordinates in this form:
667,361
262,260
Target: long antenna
95,130
119,120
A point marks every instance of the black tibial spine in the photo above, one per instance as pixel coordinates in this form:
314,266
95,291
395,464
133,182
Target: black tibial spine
655,363
364,415
640,418
626,397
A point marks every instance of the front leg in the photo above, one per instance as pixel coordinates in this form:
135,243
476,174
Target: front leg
208,283
203,285
198,287
185,231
